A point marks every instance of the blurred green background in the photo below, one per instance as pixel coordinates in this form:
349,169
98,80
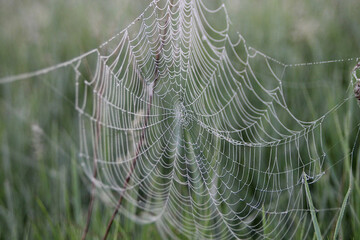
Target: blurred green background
43,192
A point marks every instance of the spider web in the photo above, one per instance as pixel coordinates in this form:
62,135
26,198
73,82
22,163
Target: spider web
191,127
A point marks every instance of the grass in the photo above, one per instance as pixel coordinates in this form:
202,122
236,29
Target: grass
43,190
312,209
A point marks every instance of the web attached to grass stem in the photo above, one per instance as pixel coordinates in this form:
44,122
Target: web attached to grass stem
217,151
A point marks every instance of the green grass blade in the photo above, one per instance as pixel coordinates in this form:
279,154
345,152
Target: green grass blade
342,211
312,210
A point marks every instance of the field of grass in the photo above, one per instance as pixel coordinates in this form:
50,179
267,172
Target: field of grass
44,193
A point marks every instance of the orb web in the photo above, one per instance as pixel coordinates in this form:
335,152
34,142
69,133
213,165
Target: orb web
191,127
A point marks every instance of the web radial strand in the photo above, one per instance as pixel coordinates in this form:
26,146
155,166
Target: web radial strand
204,119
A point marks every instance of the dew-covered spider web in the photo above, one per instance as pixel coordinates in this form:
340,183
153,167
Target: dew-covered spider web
190,126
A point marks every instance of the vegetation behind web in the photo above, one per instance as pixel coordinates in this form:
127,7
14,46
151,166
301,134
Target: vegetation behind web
44,194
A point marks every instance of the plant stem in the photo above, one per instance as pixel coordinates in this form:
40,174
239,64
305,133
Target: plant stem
127,180
91,204
157,75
